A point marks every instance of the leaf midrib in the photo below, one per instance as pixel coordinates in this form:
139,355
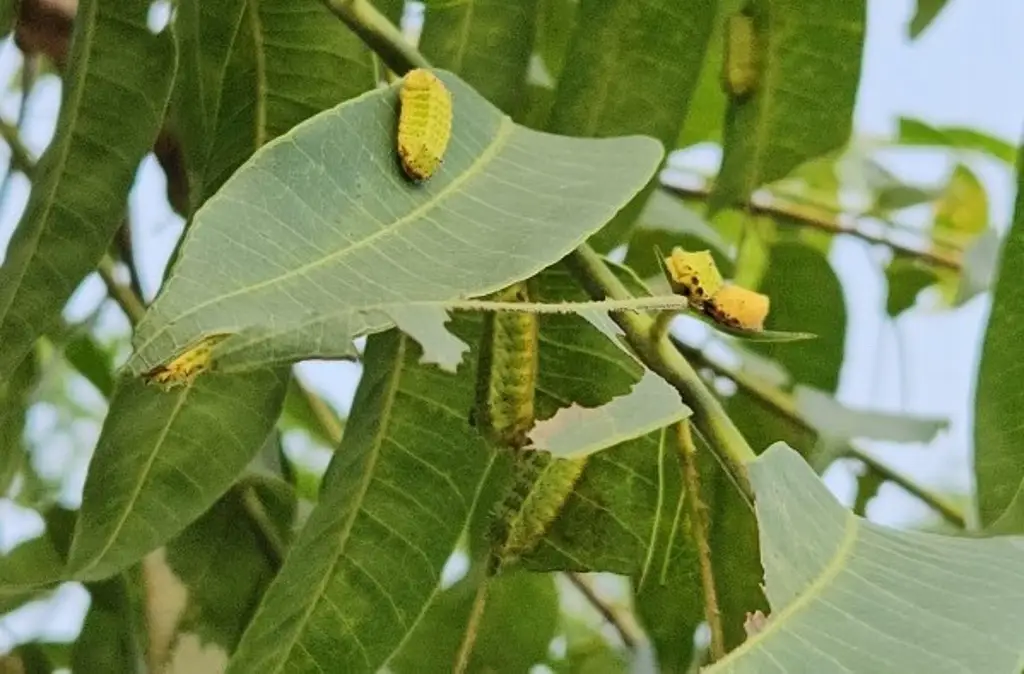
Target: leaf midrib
504,132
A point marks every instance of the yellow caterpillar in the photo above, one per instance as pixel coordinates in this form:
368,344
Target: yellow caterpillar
184,368
424,123
695,275
741,62
738,308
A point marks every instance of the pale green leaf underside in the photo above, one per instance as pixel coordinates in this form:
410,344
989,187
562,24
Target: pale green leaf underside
851,596
304,246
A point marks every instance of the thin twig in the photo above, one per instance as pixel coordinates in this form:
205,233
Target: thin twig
699,531
130,303
782,403
275,547
21,158
607,611
814,217
379,34
476,615
324,415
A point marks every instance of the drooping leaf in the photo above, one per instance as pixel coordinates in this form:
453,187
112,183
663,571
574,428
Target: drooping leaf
14,404
631,68
882,600
225,562
252,71
487,44
836,421
394,502
906,279
519,621
110,112
916,132
926,12
961,213
998,437
802,106
349,243
111,637
163,459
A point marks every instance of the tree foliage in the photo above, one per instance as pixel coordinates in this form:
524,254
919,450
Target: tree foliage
207,539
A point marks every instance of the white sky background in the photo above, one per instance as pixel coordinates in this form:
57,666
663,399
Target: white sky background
964,71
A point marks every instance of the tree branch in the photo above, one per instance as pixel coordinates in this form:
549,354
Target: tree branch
379,34
782,403
130,303
699,531
815,217
21,158
608,612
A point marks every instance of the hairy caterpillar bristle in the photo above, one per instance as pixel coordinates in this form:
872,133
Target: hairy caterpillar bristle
540,486
424,123
507,372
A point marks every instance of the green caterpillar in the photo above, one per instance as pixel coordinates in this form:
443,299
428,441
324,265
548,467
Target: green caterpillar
424,123
504,414
741,67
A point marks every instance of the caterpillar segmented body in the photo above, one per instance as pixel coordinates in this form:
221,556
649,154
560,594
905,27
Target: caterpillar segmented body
424,123
738,308
741,62
507,372
184,368
694,275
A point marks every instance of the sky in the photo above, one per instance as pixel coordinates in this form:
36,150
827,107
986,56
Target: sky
963,71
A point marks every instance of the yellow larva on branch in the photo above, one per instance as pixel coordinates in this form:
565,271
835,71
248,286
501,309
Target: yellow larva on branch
738,308
741,63
424,123
184,368
695,275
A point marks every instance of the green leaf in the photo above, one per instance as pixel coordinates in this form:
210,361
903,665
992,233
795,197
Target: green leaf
806,296
631,68
520,620
252,71
556,20
916,132
998,437
303,409
109,641
392,9
906,278
223,562
882,600
92,362
395,500
835,421
488,44
349,246
707,108
163,459
14,403
961,213
624,504
82,181
926,12
802,107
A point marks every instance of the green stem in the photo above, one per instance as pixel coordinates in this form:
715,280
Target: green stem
21,158
476,615
125,297
709,417
258,516
608,612
379,34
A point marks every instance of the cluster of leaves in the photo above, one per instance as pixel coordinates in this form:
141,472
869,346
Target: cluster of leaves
205,549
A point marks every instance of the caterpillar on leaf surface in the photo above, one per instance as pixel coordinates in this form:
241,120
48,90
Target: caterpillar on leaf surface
424,123
184,368
695,276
